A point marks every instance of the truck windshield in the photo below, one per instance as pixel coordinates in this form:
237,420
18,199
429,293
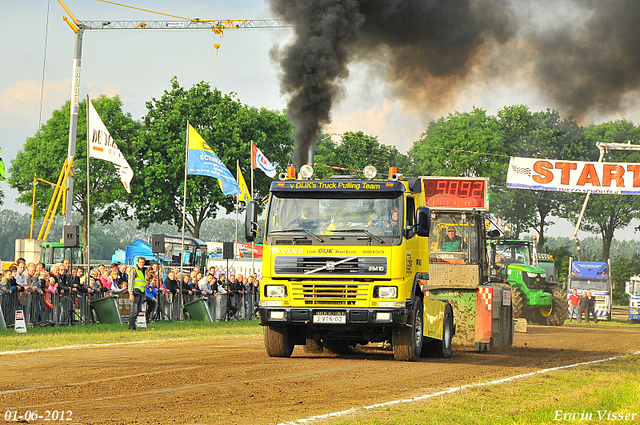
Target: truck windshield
60,253
636,289
507,254
589,284
453,239
338,215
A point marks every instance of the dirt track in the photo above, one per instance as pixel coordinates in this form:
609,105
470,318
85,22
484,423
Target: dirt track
233,381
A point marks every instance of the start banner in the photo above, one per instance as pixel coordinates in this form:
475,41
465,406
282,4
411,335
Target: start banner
574,176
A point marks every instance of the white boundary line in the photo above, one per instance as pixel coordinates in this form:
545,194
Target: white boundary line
443,392
72,347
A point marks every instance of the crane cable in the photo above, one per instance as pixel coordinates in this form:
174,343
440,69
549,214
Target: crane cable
44,64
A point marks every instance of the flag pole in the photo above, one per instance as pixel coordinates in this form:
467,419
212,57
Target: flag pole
88,201
253,252
237,202
184,206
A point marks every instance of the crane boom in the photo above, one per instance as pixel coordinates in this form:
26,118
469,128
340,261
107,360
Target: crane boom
191,24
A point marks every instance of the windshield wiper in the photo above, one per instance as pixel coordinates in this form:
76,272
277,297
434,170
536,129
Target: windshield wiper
371,235
319,239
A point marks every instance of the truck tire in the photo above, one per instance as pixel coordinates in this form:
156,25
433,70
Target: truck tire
517,303
559,311
277,341
505,338
442,348
407,340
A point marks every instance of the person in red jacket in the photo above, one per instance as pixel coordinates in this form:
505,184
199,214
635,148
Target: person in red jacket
574,301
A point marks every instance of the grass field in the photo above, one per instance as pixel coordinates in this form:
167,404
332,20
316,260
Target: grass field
606,392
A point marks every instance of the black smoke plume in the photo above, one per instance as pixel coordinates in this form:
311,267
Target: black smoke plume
583,56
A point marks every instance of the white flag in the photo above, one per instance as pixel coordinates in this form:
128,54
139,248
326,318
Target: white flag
102,146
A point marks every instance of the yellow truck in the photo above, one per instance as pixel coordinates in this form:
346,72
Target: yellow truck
344,263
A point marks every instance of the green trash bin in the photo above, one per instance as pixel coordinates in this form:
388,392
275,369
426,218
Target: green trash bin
106,309
198,310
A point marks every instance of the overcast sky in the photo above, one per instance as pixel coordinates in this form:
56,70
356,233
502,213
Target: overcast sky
138,65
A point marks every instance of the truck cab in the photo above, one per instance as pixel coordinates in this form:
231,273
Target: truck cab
594,277
632,288
343,259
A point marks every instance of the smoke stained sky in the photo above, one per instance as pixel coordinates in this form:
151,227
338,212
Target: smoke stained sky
582,57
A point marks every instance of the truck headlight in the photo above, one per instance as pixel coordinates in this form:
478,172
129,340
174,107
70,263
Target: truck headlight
536,274
385,292
275,291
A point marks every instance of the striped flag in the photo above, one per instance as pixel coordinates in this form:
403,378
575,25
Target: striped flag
258,160
204,162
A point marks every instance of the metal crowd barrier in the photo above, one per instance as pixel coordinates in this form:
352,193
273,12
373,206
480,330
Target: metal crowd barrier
48,309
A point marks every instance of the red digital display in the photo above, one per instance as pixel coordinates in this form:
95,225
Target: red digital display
455,192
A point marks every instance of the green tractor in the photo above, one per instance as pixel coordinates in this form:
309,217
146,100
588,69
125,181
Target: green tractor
533,296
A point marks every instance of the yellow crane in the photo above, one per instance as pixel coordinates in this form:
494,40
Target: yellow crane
64,187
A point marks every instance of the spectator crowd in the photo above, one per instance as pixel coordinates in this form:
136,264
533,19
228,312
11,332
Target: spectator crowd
62,295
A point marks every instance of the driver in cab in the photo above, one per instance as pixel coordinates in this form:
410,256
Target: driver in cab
452,242
307,219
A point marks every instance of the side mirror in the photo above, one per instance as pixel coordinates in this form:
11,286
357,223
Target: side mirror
251,221
627,288
494,234
424,221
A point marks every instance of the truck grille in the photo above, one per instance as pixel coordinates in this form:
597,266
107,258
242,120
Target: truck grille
358,266
325,294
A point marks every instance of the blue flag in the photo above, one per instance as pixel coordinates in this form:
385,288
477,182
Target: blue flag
204,162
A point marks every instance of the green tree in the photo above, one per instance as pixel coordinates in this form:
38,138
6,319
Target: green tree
227,126
621,270
354,152
462,144
44,154
607,213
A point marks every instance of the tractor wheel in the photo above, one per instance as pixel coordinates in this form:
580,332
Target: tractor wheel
442,348
517,303
313,346
407,340
559,312
277,341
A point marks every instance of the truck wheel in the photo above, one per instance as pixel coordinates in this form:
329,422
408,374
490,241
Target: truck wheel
443,348
277,341
559,311
407,340
517,303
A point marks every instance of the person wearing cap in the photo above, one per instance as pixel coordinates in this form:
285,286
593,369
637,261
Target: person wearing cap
452,242
136,287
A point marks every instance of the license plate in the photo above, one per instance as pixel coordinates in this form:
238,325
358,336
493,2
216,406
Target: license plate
337,318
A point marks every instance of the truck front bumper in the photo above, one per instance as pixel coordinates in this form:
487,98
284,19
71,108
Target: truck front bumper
352,317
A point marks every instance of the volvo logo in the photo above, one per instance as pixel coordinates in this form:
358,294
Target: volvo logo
331,266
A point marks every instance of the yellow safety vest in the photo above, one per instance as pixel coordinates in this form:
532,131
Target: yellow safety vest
139,282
